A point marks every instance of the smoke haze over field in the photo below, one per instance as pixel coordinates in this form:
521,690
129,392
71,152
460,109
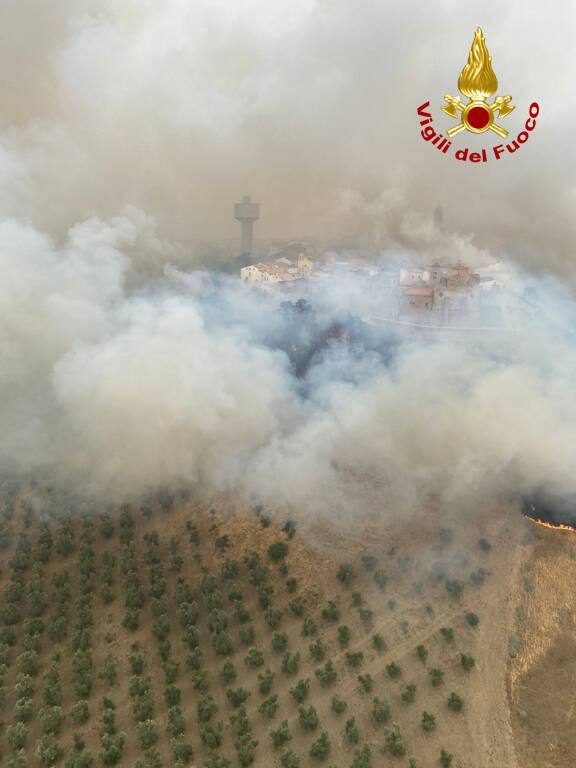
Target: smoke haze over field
130,128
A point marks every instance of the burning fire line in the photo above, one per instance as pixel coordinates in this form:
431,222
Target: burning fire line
554,526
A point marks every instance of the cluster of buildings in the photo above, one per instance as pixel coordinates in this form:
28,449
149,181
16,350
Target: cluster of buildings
439,295
436,295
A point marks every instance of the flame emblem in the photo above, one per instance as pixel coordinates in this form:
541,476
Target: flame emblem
478,82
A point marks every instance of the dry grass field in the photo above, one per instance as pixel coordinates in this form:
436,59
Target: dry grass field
182,633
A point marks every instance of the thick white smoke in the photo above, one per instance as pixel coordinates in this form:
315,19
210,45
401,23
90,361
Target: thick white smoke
118,384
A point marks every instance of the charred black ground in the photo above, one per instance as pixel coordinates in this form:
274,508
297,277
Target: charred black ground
551,508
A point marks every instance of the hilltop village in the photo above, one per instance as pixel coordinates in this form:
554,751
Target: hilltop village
434,295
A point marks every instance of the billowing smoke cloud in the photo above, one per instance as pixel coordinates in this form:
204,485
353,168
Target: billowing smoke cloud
118,384
125,369
179,108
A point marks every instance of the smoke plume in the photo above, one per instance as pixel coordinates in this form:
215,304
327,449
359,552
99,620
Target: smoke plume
129,363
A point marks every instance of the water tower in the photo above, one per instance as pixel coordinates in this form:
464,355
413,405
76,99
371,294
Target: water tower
247,212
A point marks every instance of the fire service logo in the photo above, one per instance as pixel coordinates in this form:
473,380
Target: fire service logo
478,83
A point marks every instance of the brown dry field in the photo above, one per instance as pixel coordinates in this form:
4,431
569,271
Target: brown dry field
518,712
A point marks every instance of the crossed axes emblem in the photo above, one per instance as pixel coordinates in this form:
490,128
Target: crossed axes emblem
500,105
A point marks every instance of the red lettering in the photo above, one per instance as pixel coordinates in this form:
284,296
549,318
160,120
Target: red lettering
520,139
498,150
462,154
533,105
530,127
421,111
474,157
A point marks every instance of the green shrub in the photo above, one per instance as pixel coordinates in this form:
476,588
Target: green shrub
331,612
428,722
472,619
320,749
378,642
146,733
281,735
206,708
346,574
16,735
176,725
290,663
172,695
254,658
309,627
23,710
326,674
436,677
447,633
467,661
351,731
297,606
380,711
479,576
194,659
369,562
317,650
409,695
211,737
273,618
265,682
455,703
300,692
454,587
181,750
394,741
365,615
280,642
354,659
343,636
393,670
237,696
269,707
246,634
380,578
484,545
112,748
222,644
171,669
278,551
445,759
28,663
289,759
366,682
227,674
200,680
308,718
363,758
47,751
109,671
79,712
338,705
51,719
24,686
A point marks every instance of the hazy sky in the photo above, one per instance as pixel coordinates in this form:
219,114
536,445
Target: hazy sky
181,107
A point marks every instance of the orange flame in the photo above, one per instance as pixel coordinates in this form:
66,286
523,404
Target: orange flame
477,80
555,527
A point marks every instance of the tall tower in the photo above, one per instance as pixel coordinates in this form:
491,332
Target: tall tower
247,212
